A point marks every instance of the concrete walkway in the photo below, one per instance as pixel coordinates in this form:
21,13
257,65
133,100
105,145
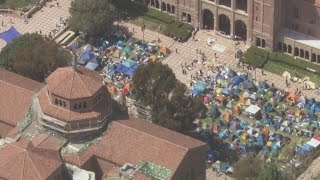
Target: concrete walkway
312,172
187,53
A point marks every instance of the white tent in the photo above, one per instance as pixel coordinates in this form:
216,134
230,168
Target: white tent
87,48
253,109
286,74
314,143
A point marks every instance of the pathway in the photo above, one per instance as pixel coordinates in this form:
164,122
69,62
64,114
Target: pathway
187,53
312,172
44,20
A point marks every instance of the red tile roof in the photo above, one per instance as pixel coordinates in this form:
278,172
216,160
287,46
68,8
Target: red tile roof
134,140
16,94
101,109
23,161
72,84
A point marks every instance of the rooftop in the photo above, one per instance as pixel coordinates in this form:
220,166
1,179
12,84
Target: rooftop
301,38
23,160
145,141
72,84
16,94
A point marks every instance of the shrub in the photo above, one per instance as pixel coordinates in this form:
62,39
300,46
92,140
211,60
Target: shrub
256,57
179,30
160,16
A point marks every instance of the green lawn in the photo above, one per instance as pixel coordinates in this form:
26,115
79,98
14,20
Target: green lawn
22,5
153,19
277,63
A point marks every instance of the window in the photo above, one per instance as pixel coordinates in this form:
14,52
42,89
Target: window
56,101
60,103
75,106
79,105
296,13
256,18
64,104
84,105
257,8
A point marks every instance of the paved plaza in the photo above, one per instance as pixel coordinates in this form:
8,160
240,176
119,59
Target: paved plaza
45,20
186,53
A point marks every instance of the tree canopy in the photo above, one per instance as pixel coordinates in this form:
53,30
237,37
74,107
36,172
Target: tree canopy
33,56
247,168
271,172
156,86
92,17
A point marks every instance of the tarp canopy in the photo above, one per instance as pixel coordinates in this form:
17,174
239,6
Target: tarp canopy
196,92
165,51
125,70
120,43
314,143
127,49
87,48
87,56
214,113
201,85
253,109
315,108
91,66
293,97
129,63
237,80
10,35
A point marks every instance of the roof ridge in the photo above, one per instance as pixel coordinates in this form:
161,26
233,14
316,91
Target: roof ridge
185,148
73,73
24,163
34,165
85,84
70,74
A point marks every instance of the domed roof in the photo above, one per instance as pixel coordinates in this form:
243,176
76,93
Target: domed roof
72,84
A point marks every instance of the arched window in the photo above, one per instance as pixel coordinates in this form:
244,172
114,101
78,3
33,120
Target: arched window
263,43
84,104
60,103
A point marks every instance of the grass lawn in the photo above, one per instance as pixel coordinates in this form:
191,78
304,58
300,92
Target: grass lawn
153,19
277,63
22,5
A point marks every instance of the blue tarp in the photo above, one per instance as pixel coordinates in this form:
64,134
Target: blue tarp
315,108
232,74
264,86
307,147
87,56
125,70
129,63
227,91
196,92
91,65
237,80
201,86
10,35
120,43
127,49
214,113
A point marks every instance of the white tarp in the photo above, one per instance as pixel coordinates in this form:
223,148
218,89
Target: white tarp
253,109
314,143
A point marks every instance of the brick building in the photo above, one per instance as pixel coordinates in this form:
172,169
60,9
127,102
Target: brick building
291,26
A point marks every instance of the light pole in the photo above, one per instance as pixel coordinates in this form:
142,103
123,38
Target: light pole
143,27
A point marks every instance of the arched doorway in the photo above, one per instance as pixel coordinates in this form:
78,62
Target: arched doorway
189,18
241,30
163,6
289,49
172,9
157,4
152,3
318,56
224,24
258,41
313,57
263,43
279,46
301,53
306,53
208,19
184,16
168,8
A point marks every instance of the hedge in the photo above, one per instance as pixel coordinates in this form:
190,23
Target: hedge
256,57
179,29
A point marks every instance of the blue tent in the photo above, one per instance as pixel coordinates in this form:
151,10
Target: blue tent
201,85
227,91
120,43
264,86
87,56
129,63
214,113
196,92
275,148
244,124
127,49
315,108
307,147
10,35
91,65
232,74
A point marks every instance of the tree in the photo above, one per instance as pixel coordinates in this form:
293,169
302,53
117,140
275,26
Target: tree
247,168
156,86
33,56
92,17
271,172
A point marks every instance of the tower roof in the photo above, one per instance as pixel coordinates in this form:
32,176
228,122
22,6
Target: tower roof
72,84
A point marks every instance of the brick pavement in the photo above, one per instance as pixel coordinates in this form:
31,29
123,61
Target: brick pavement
187,53
44,20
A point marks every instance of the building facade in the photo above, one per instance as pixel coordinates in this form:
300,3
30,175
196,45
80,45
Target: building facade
291,26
